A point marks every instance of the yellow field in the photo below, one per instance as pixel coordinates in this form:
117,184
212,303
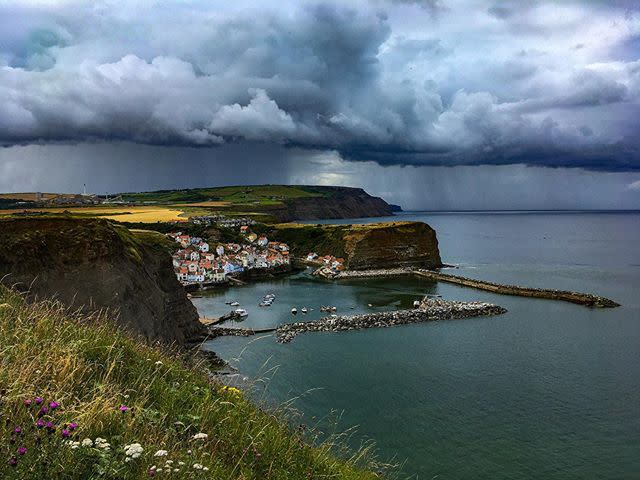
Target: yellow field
122,214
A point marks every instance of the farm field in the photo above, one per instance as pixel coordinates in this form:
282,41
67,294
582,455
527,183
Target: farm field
122,214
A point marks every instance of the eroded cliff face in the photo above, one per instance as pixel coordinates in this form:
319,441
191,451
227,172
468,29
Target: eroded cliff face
337,202
375,245
391,245
94,265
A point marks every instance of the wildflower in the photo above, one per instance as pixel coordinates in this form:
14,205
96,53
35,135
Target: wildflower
152,471
102,443
197,466
133,450
181,463
39,400
160,453
22,451
27,402
87,442
176,470
73,426
158,363
205,469
13,461
40,423
43,411
54,405
73,445
66,433
50,427
124,408
200,436
17,430
168,462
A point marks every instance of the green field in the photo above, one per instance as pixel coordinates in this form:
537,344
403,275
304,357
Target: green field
233,196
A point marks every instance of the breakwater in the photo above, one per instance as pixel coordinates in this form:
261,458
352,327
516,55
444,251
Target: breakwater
587,299
430,309
214,332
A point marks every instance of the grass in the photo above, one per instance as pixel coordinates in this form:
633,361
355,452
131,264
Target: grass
90,368
264,195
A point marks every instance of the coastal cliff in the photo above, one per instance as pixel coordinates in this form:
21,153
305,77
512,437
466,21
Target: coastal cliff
331,203
375,245
92,264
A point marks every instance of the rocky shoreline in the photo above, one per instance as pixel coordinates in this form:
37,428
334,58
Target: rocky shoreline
587,299
430,309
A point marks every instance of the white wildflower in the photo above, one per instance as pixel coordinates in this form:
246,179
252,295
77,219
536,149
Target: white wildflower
181,463
133,450
87,442
161,453
200,436
176,469
159,470
205,469
159,363
197,466
168,462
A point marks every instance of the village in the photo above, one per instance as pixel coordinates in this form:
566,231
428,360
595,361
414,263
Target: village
197,262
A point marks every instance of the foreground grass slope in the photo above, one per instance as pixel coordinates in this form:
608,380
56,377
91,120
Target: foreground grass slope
80,399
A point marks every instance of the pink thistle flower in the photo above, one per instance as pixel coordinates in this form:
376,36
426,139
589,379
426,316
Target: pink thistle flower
54,405
27,403
50,427
66,433
40,423
39,400
124,408
73,426
13,461
17,430
43,411
22,451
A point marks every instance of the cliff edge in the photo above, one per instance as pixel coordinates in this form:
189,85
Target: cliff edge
331,203
367,246
92,264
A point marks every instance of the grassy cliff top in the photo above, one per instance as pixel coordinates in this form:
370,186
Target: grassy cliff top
131,407
226,196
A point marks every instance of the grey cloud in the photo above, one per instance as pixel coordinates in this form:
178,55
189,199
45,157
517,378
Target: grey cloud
323,76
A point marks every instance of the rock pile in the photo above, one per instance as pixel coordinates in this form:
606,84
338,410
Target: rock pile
430,309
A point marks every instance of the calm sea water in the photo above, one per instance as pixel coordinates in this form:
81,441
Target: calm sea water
549,390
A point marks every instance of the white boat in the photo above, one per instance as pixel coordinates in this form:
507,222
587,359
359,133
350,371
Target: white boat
234,304
240,312
416,303
294,310
304,310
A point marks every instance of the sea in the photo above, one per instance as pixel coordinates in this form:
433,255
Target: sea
549,390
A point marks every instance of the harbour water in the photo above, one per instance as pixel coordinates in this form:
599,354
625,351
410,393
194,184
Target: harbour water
548,390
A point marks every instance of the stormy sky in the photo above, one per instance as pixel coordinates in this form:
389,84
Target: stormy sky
428,103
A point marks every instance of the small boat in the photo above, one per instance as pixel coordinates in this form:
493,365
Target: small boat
228,302
294,310
333,309
369,305
416,303
264,304
240,312
235,304
304,310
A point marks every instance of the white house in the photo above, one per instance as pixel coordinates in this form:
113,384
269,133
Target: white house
220,250
263,241
194,256
204,247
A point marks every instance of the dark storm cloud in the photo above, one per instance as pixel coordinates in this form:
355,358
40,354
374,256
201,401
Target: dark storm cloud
372,80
